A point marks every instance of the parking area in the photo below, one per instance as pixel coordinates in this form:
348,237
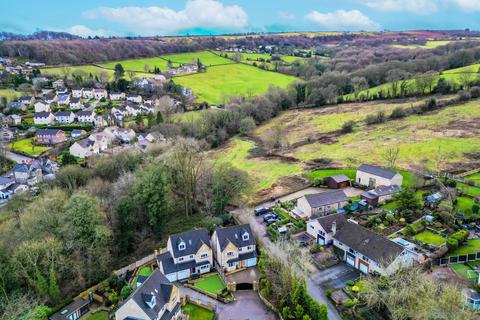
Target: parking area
247,306
335,277
246,276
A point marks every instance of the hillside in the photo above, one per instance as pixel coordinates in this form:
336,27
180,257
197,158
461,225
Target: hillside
312,139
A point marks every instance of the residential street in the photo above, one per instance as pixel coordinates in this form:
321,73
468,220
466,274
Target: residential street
18,158
314,280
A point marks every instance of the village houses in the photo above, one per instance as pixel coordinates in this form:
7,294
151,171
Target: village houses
64,117
320,203
43,118
41,106
50,136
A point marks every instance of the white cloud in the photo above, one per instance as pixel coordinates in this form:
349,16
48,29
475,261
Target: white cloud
84,31
205,14
467,5
342,20
420,7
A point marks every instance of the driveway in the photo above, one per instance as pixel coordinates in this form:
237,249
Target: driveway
247,306
335,277
246,276
18,158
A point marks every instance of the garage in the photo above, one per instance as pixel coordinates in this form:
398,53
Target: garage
251,262
363,266
351,260
184,274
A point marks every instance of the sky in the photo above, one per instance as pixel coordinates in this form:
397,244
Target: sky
182,17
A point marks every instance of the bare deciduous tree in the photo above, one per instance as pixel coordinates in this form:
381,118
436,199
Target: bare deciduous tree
391,156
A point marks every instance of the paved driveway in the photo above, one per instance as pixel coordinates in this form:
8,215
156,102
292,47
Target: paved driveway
247,306
335,277
246,276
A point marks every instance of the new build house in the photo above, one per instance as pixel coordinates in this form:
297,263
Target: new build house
374,176
320,203
155,299
50,136
234,247
85,116
41,106
43,118
84,148
188,253
370,252
64,117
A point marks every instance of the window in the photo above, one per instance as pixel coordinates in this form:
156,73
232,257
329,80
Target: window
240,249
230,264
245,236
181,246
312,227
351,250
206,266
229,254
249,247
204,255
180,259
364,258
191,256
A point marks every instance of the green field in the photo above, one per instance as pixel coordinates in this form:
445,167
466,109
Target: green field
195,312
10,94
322,173
464,204
26,146
86,70
221,82
455,76
432,44
430,238
471,191
206,57
139,64
472,246
262,58
263,173
212,284
474,177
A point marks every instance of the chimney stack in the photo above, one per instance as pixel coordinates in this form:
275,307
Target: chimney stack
334,227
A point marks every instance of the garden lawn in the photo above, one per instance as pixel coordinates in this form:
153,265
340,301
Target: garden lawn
472,246
87,70
474,177
195,312
464,204
26,146
212,284
10,94
430,238
263,173
461,269
144,271
220,83
472,191
99,315
322,173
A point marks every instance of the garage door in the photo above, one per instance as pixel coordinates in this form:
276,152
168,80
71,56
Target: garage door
362,266
351,260
183,274
251,262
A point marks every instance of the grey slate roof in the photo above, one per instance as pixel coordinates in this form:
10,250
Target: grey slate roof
368,243
327,221
63,313
339,178
325,198
84,113
169,265
48,132
234,235
41,115
63,114
382,191
244,256
86,143
156,285
377,171
21,167
193,240
4,180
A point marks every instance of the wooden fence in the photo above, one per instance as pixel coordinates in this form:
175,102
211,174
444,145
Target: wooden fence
146,260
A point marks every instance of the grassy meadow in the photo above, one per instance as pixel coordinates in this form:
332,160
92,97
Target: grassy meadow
139,64
431,44
221,82
10,94
87,69
446,134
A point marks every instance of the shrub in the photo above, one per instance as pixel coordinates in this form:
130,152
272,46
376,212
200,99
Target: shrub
397,113
350,283
126,291
348,126
316,248
329,292
452,244
355,288
375,118
475,92
464,96
350,303
461,236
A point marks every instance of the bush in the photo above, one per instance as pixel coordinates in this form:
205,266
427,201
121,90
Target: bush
398,113
348,126
375,118
452,244
350,303
329,292
475,92
125,292
247,125
350,283
461,236
464,96
316,248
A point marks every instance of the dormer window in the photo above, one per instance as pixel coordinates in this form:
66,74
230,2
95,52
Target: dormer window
181,246
245,236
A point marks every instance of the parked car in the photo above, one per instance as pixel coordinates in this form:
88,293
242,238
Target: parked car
270,216
262,211
272,221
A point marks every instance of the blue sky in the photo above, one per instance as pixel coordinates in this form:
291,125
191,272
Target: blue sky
180,17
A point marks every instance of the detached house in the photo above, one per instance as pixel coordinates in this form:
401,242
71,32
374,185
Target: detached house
43,118
41,106
84,148
320,203
188,253
85,116
51,136
27,100
64,99
87,93
155,299
380,194
65,117
234,247
370,252
50,98
76,104
374,176
324,228
115,96
77,93
100,93
101,140
136,98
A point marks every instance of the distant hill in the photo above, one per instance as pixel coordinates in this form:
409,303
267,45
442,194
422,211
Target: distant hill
40,35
